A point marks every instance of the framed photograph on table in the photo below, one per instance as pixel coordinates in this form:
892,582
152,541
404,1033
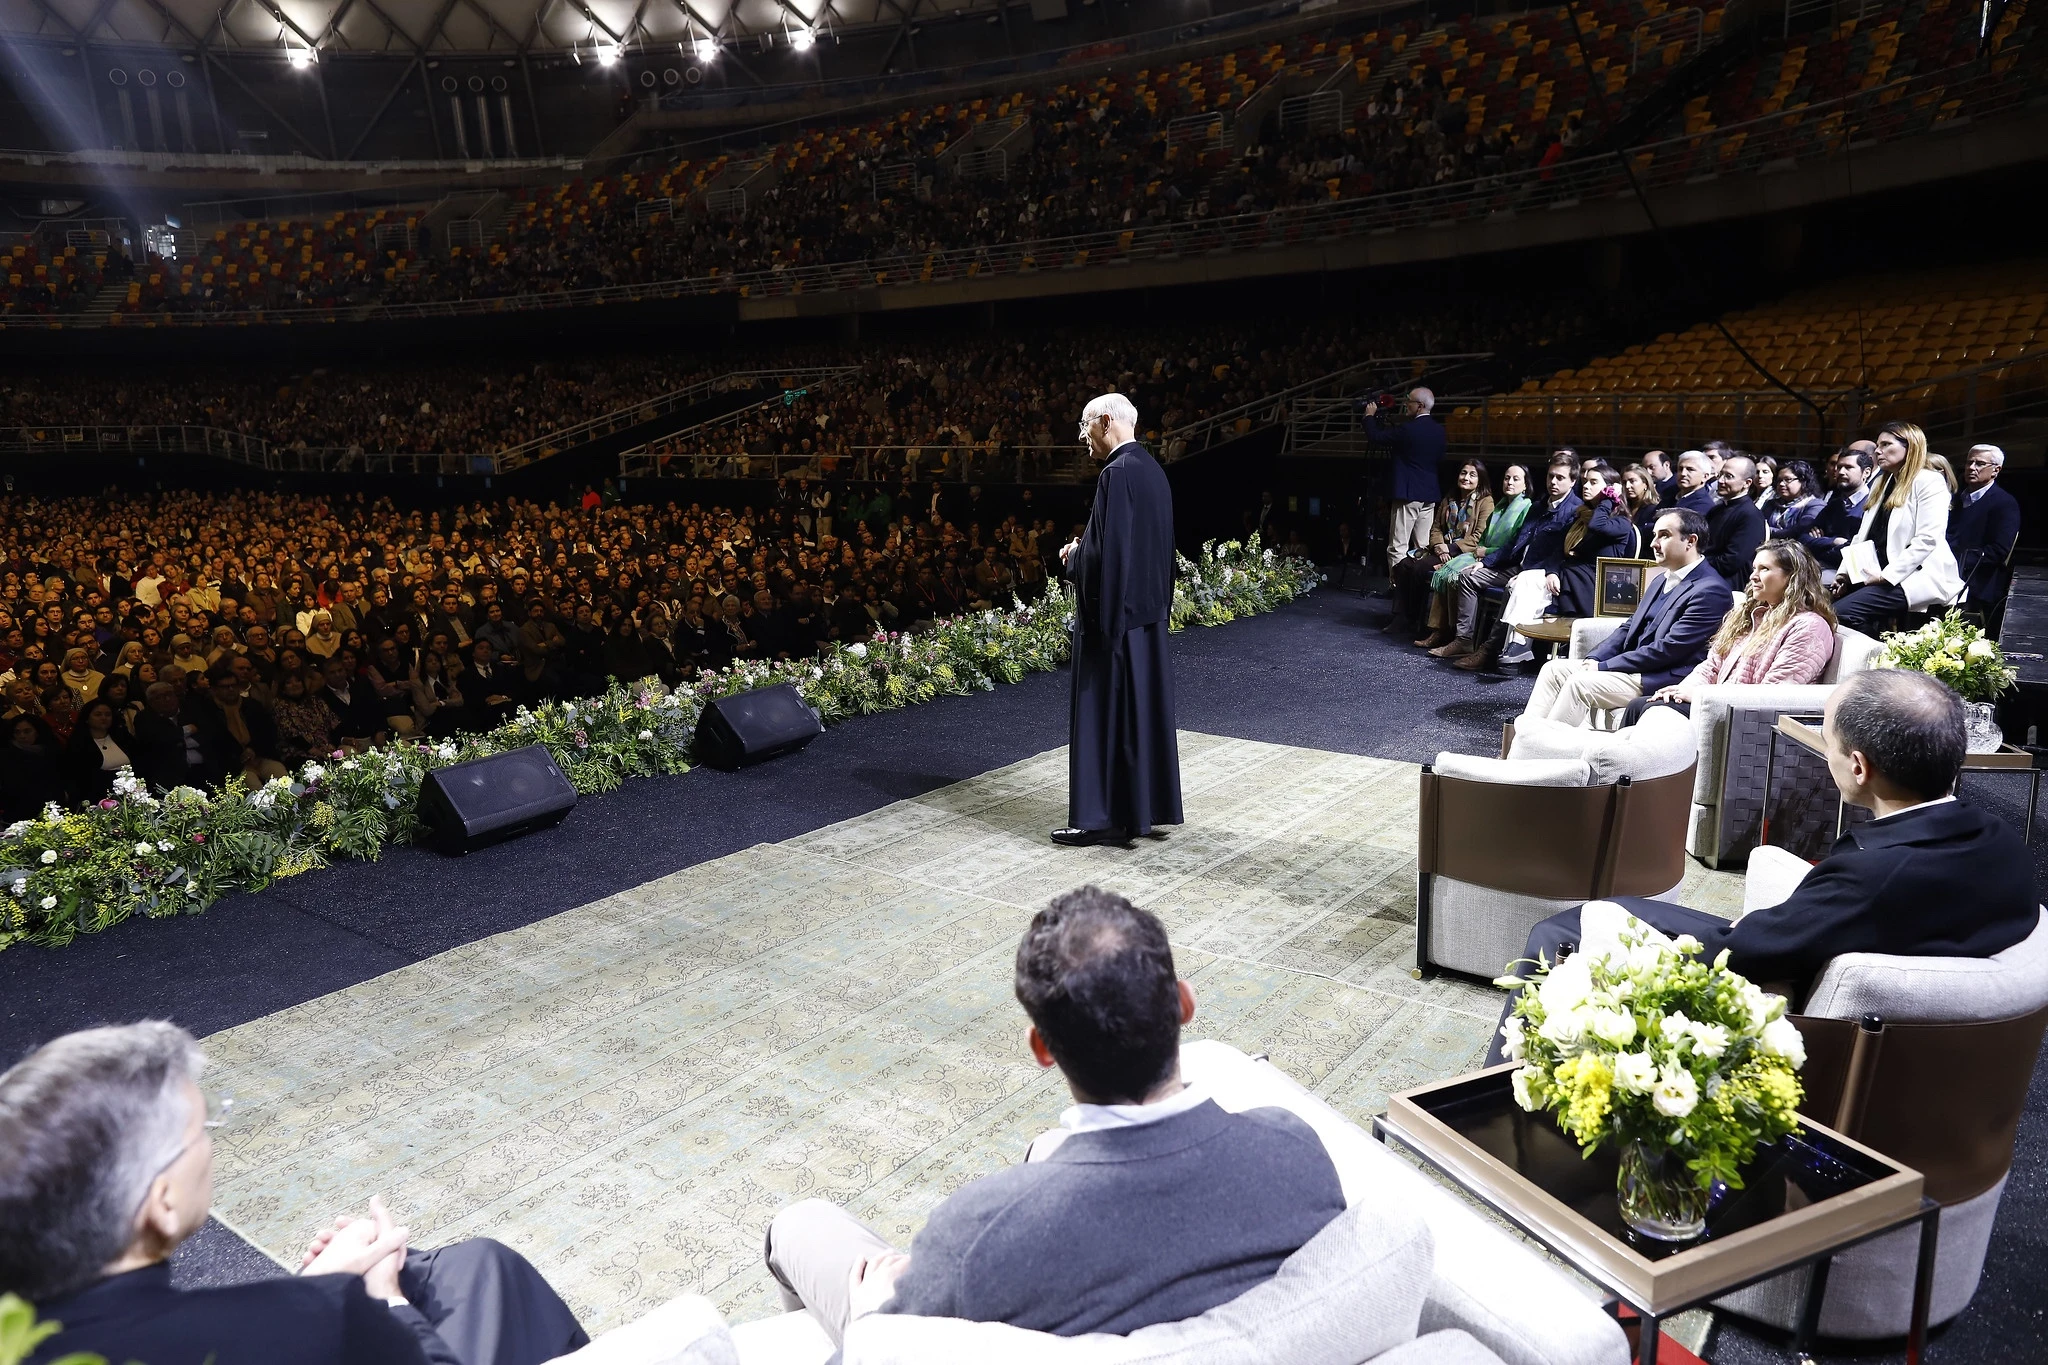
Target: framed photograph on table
1619,584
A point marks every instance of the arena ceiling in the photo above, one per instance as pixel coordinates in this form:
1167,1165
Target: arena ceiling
600,29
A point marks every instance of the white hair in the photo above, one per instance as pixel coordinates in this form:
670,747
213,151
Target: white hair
88,1122
1424,399
1997,455
1114,406
1699,455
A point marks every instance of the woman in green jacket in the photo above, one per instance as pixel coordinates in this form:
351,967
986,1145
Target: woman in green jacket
1508,514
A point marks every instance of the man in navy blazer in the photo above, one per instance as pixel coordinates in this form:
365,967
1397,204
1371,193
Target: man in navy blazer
1666,635
1418,446
1928,877
1982,530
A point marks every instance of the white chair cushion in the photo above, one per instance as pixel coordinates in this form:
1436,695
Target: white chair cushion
1540,737
684,1331
1564,772
1936,990
1770,879
1440,1348
1658,745
1355,1291
1854,652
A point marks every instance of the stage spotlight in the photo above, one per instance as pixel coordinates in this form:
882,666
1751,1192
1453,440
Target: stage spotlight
607,54
707,51
801,39
299,57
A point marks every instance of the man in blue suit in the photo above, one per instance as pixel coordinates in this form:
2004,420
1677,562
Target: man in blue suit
1665,638
1982,531
1418,446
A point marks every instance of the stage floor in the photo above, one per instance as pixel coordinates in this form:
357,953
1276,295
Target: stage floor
627,1091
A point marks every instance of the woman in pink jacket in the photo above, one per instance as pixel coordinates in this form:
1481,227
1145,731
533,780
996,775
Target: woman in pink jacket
1780,630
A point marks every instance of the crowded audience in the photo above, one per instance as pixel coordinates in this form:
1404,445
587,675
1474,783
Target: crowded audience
194,638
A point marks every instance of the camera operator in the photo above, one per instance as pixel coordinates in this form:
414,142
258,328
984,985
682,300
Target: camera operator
1418,445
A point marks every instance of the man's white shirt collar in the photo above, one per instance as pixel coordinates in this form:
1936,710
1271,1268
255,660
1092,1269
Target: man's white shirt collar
1673,577
1093,1118
1972,497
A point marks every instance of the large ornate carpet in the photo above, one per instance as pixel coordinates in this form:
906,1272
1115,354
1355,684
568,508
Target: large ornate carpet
628,1091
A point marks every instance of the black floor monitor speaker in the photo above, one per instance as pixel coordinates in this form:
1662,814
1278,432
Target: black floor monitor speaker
756,726
466,806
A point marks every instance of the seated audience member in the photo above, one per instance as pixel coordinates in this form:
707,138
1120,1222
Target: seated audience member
1899,562
31,769
493,684
1735,525
1895,745
1663,475
1501,528
1539,545
305,725
1600,529
60,712
358,714
437,693
237,735
80,676
1781,630
1763,479
186,656
168,753
1982,531
110,1166
388,683
100,747
1453,531
1154,1205
1641,494
1695,483
1795,502
1836,524
1666,635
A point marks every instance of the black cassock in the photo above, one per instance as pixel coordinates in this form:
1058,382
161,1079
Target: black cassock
1123,762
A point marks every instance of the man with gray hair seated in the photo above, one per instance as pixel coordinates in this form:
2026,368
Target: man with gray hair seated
106,1165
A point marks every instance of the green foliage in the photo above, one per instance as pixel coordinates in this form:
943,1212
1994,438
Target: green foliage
76,872
1955,651
20,1334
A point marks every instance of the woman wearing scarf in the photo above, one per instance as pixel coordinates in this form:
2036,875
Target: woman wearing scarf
1453,531
1504,523
79,675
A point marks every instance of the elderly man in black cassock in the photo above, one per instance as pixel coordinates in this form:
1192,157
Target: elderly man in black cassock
1123,761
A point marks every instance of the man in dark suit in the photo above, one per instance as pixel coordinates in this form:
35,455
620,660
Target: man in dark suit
169,754
1842,516
1928,877
1694,483
1667,634
1123,754
1982,531
110,1166
495,686
1538,545
358,715
1418,447
236,733
1663,474
1150,1204
1735,526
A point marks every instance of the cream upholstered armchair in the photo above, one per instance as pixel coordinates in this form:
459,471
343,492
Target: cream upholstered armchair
1732,725
1949,1049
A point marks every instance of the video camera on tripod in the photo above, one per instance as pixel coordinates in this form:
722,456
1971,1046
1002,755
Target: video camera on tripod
1388,408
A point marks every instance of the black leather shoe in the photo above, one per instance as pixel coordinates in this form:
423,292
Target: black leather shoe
1082,838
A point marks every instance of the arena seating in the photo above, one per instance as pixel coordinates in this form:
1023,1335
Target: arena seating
41,274
1899,336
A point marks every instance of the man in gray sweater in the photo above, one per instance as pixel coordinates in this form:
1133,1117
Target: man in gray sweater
1148,1204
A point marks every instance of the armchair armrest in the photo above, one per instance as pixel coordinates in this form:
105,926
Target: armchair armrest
1773,875
1589,631
1710,712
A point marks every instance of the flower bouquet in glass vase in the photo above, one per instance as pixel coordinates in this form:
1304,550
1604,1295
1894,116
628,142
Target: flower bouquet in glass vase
1954,650
1680,1063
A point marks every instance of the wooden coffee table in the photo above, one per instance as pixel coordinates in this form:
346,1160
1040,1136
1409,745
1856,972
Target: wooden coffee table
1804,1199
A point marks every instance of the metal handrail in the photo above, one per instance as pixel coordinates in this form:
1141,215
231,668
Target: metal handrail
953,463
1771,143
1199,435
633,414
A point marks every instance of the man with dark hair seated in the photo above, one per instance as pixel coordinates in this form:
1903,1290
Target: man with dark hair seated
108,1166
1152,1205
1928,877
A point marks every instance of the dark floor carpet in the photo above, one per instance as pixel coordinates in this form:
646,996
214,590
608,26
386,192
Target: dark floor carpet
1317,673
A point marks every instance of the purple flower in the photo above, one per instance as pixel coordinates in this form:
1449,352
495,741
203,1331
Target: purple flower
109,804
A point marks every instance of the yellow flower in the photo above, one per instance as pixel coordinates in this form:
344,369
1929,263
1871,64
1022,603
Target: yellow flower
1586,1085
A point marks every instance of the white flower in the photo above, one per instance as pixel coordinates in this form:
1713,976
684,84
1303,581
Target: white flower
1757,1004
1566,1028
53,813
1686,944
646,736
17,829
1616,1028
857,650
1708,1040
1981,649
1781,1038
20,885
1635,1072
568,710
191,888
1566,986
1677,1092
164,845
1511,1038
311,773
263,799
1519,1082
348,765
49,902
1676,1027
144,848
49,856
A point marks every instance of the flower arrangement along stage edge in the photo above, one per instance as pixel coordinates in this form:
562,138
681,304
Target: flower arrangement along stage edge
73,872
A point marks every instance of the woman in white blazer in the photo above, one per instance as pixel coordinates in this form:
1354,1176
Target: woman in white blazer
1899,560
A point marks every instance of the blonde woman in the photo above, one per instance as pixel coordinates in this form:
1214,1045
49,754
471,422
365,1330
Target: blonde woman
1780,630
1899,561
